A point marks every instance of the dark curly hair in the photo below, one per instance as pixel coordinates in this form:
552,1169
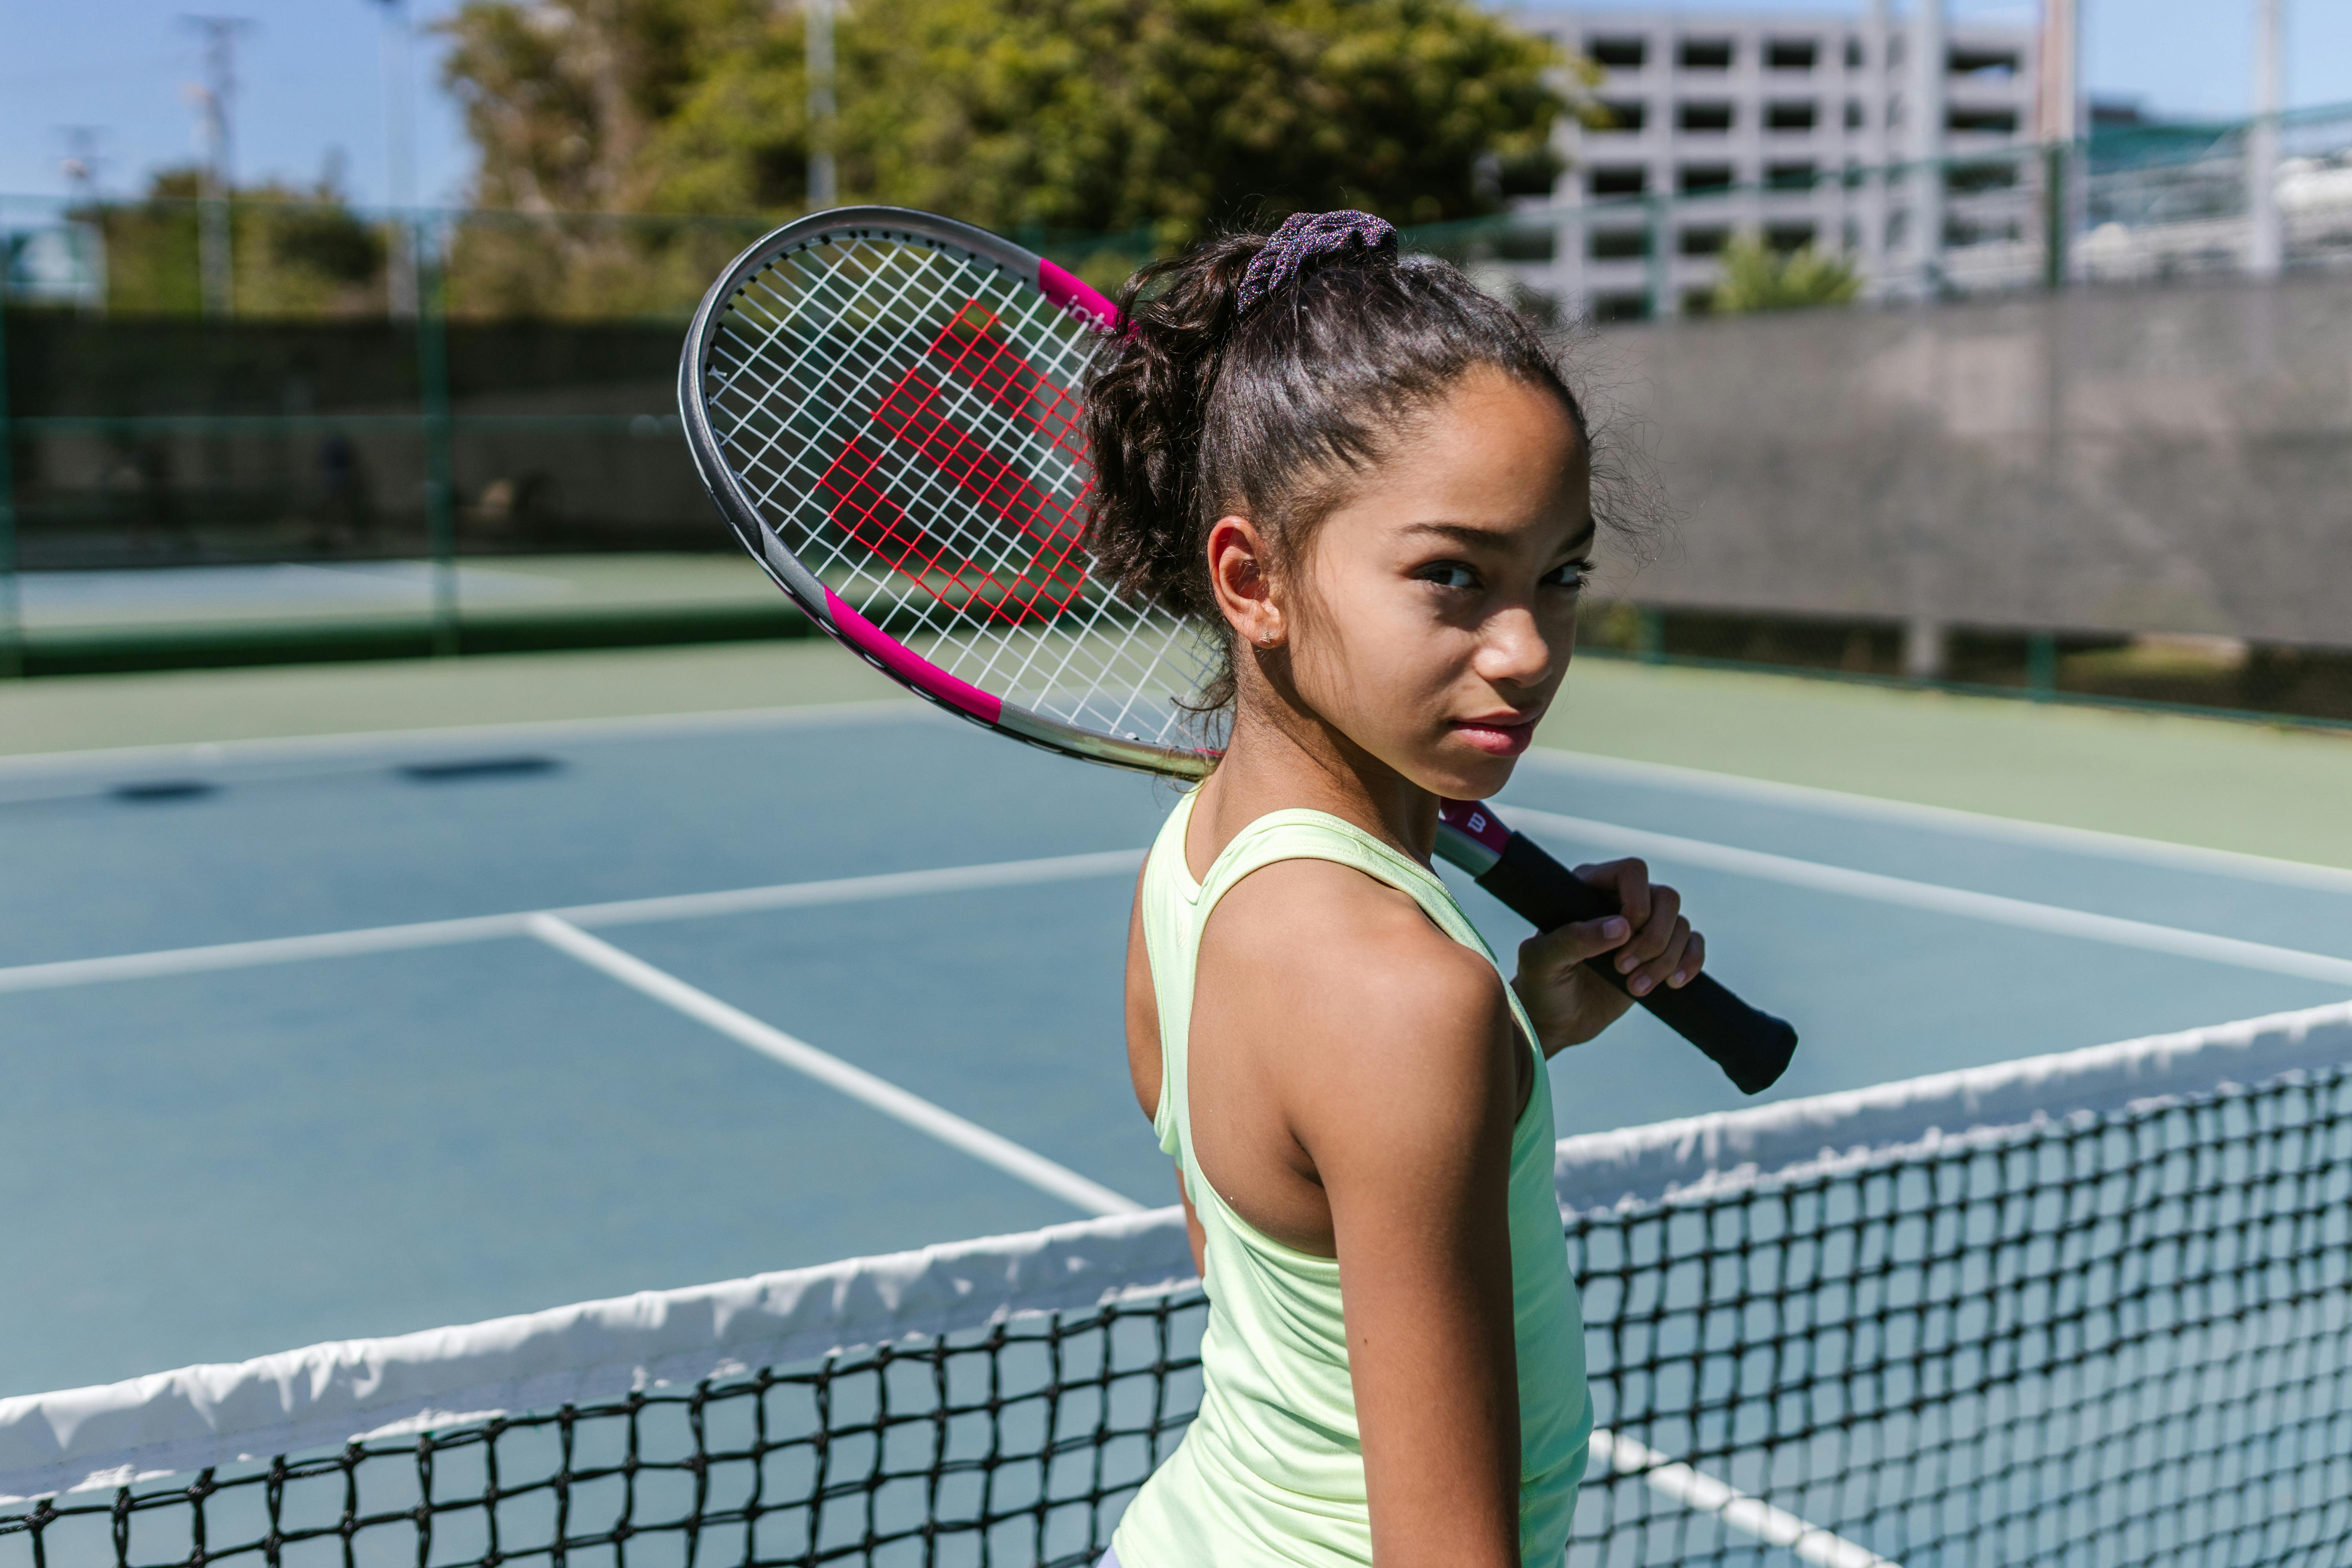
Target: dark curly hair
1197,408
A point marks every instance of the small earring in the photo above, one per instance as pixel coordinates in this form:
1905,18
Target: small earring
1265,639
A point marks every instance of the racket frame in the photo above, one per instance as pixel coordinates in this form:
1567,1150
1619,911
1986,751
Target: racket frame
1752,1047
839,619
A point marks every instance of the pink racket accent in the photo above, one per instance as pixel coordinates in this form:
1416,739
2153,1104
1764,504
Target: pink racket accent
1472,818
1070,291
973,349
906,664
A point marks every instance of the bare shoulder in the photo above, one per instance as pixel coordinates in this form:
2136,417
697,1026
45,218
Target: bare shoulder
1381,1019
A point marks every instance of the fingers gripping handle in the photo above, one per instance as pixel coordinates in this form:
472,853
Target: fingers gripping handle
1752,1047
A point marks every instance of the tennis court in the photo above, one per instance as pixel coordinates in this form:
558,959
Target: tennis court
298,1054
509,1127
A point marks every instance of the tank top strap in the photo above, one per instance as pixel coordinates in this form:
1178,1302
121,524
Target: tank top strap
1300,834
1177,910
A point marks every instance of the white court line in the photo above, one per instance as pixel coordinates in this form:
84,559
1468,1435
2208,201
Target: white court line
630,912
210,753
1951,819
884,1096
1702,1493
1944,900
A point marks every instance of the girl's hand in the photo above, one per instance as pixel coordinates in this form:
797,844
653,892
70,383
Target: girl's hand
1653,945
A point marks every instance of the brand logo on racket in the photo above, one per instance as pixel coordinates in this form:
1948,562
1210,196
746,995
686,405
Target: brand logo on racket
1013,552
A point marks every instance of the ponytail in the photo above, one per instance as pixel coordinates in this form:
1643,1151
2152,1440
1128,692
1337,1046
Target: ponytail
1146,401
1257,376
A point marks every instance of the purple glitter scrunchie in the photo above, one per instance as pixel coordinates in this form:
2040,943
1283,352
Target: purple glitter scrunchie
1306,235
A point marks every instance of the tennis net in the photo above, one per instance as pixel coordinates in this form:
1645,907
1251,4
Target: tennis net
2088,1309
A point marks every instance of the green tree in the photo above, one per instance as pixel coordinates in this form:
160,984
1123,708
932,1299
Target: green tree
1758,278
560,96
295,251
1083,116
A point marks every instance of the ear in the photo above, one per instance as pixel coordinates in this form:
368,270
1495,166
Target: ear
1241,577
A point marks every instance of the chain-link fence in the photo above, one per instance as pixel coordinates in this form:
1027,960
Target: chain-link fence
271,428
265,428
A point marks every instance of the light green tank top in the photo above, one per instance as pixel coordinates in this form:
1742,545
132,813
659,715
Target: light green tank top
1271,1471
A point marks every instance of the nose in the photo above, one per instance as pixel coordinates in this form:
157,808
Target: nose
1514,650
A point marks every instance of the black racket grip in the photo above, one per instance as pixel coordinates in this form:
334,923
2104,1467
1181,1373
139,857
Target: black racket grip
1753,1048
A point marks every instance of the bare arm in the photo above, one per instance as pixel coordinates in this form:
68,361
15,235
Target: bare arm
1390,1051
1416,1158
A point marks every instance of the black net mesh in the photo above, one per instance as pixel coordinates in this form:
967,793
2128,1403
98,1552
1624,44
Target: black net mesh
2114,1340
1016,1444
2106,1341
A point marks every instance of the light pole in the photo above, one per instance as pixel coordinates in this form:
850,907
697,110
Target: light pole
214,101
2266,241
399,159
2060,113
824,188
1924,113
79,166
1878,148
80,162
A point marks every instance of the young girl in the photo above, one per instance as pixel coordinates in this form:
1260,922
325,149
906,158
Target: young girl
1372,477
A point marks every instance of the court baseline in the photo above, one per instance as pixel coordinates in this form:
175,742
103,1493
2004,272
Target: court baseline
627,911
1935,897
1944,819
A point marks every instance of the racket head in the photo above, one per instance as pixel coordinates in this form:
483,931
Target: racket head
883,403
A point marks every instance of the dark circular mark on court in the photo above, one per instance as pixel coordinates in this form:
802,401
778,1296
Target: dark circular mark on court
147,790
461,768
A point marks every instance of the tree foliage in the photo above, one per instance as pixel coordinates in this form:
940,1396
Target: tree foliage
1082,116
295,250
1758,278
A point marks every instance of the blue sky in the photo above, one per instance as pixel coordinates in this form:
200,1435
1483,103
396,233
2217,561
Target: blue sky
313,83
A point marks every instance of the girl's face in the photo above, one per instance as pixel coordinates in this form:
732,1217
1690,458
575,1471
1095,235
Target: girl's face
1434,613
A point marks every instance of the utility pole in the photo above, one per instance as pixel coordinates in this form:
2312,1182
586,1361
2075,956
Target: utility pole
79,166
1924,117
214,101
2266,241
2060,113
80,163
399,159
824,189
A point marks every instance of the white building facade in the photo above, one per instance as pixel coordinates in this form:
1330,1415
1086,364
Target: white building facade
1798,128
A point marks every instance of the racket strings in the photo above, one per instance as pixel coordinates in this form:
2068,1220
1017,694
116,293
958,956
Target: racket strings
784,475
903,419
920,412
1031,653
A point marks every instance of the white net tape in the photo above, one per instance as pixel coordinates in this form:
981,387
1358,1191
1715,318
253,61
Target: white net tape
180,1421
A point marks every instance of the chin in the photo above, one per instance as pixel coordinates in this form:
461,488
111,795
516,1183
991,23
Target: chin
1465,774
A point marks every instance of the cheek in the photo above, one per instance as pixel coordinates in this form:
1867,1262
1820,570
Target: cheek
1388,651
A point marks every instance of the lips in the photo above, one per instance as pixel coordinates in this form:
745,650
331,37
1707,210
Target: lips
1501,735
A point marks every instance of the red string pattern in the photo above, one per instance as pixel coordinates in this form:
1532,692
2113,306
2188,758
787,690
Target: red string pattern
971,354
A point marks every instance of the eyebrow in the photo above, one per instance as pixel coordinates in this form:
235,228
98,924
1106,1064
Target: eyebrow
1471,533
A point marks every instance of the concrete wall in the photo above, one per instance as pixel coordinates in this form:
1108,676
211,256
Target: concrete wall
2164,460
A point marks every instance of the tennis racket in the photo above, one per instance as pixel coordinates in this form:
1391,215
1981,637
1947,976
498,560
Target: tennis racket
883,406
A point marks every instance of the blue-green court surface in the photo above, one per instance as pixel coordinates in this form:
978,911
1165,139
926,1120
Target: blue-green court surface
214,1157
